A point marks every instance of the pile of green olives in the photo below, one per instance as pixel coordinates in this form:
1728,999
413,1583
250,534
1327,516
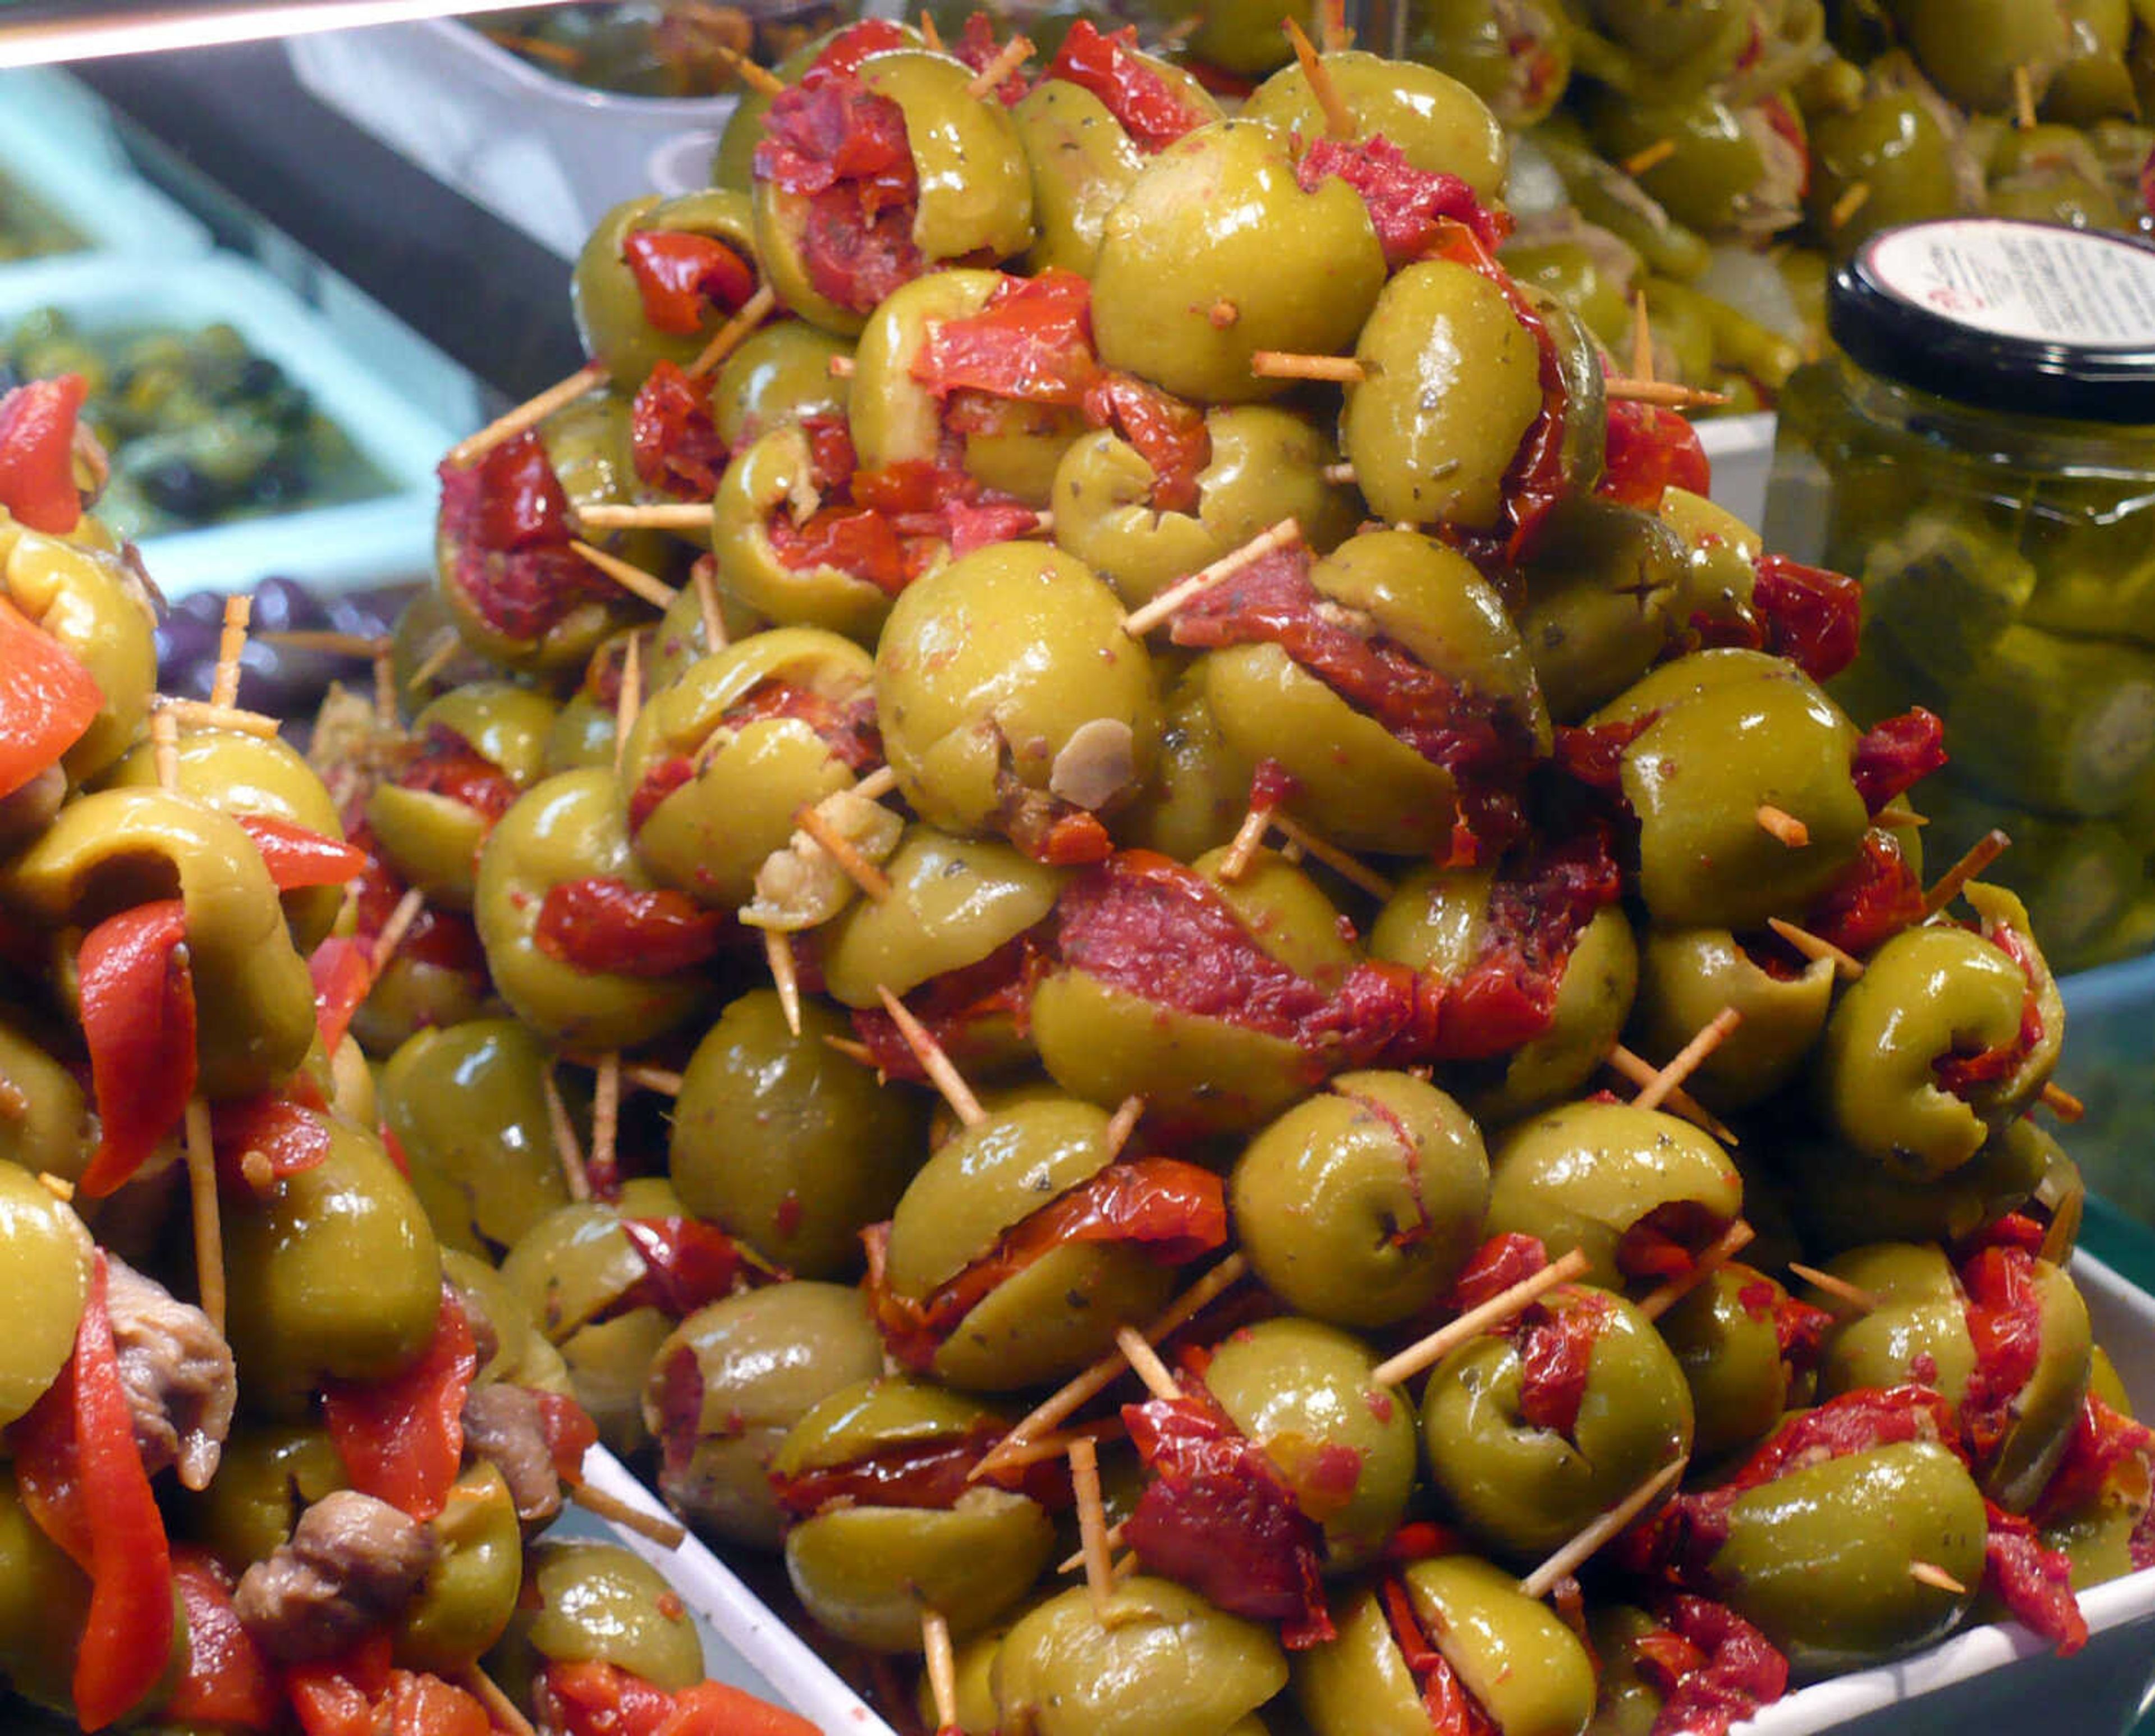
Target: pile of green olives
1293,938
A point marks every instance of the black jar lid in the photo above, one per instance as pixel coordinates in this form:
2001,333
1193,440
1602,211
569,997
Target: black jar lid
2033,318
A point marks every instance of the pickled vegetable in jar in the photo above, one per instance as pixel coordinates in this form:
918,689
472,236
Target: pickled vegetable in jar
1980,451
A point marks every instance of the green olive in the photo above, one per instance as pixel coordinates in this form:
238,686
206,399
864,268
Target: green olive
1734,171
468,1106
44,1254
336,1275
1605,591
89,603
1295,1387
1200,788
1082,162
1723,1335
1361,1205
428,657
1523,1666
1009,667
1219,217
791,1146
1164,1663
1592,1001
604,291
596,1603
267,1475
779,376
1437,124
1687,975
520,1356
53,1132
1357,1684
44,1607
1626,1703
1904,148
471,1590
1611,200
1970,47
576,1264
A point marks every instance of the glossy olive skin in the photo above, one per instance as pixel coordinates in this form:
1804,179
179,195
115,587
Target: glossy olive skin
990,668
1267,463
1200,790
1359,1684
254,1000
1731,173
1452,382
44,1606
521,1356
708,837
1969,50
1218,216
1687,975
1604,589
44,1282
1582,1175
471,1590
1722,1334
1360,1205
866,1572
567,827
597,1603
87,602
1845,1198
468,1106
1819,1559
266,1476
1522,1490
1082,162
779,376
1166,1663
335,1275
1440,126
791,1146
731,1382
1697,774
1312,1384
1103,1042
55,1132
603,292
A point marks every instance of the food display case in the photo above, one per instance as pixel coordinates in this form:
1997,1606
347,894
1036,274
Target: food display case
1194,743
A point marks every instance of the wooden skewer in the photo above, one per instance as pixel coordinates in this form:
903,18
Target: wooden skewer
785,975
1853,199
58,1186
1447,1338
1056,1445
851,1051
932,39
1181,30
729,336
1651,157
1640,1071
207,714
933,1061
164,749
664,1533
537,48
665,515
1292,365
1723,1249
1145,1361
2064,1230
501,1712
1013,55
1124,1123
761,80
1082,1388
871,879
876,784
1929,1572
230,646
1249,839
1783,826
208,1224
1333,858
1091,1525
653,1079
628,703
386,719
529,414
840,367
1070,1564
1575,1554
1984,851
936,1634
1898,813
1140,622
1642,338
2024,99
704,576
393,932
1667,393
331,644
606,1113
1333,28
1855,1296
1338,118
567,1152
630,578
2061,1102
1846,965
439,655
1688,1059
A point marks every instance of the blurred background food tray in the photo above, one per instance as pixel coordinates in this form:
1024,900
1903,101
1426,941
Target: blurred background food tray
67,188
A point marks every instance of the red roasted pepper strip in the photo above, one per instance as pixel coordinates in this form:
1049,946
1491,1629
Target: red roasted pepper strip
363,1693
1711,1668
570,1433
1650,449
1812,615
1143,103
81,1477
401,1439
1409,208
138,1020
1452,1710
47,699
227,1682
1032,341
342,977
37,453
688,1263
297,857
602,924
681,277
602,1699
672,437
2035,1583
284,1127
1894,755
1167,433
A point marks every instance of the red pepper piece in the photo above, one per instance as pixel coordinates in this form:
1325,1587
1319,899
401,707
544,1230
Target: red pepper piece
1650,450
688,1263
1556,1353
673,438
1143,104
2108,1453
718,1709
1032,341
283,1128
603,923
297,857
2033,1582
228,1682
138,1019
1711,1668
363,1694
37,453
1894,755
680,277
1812,617
927,1475
81,1477
1168,434
1452,1710
47,699
955,1004
1409,208
402,1438
570,1433
342,977
1878,897
445,764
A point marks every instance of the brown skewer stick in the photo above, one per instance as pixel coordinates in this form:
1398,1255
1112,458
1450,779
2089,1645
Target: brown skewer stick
529,414
704,576
165,748
935,1632
1338,118
1688,1059
1640,1071
1056,1445
2024,99
729,336
205,714
385,720
630,578
1929,1572
1984,851
501,1712
439,655
876,784
664,1533
1011,56
202,1197
606,1112
1783,826
1667,393
1505,1304
1140,622
1145,1361
2064,1229
945,1077
785,975
1853,199
1846,965
58,1186
1642,338
662,515
851,1051
1575,1554
567,1152
1898,813
931,39
393,932
629,703
230,646
1083,1387
1124,1123
1249,838
1717,1254
1648,158
1333,856
1853,1295
1292,365
761,80
1091,1525
653,1079
871,879
2061,1102
1112,1538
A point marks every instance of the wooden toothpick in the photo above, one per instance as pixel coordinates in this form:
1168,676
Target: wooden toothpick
659,515
1852,1296
1688,1059
659,1079
785,975
209,1222
628,703
230,646
1642,338
439,655
1710,1259
529,414
1649,158
935,1638
1140,622
1640,1071
1929,1572
1294,364
874,883
1846,965
1984,851
729,336
1667,393
567,1152
164,749
761,80
1347,867
1783,826
1338,118
393,931
2063,1232
1853,199
1124,1123
1575,1554
503,1713
2024,99
1091,1525
1476,1321
928,1052
664,1533
2061,1102
704,576
1145,1362
606,1120
1013,55
630,578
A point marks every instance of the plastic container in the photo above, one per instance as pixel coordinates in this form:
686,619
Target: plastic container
329,548
2109,1065
57,146
1741,450
1980,452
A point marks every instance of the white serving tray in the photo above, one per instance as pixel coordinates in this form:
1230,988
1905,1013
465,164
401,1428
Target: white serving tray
1741,450
2002,1681
328,548
57,144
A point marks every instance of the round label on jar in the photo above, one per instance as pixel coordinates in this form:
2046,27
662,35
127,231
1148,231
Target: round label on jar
2033,281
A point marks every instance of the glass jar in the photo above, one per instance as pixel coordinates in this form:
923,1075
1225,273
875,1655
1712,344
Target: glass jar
1979,450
